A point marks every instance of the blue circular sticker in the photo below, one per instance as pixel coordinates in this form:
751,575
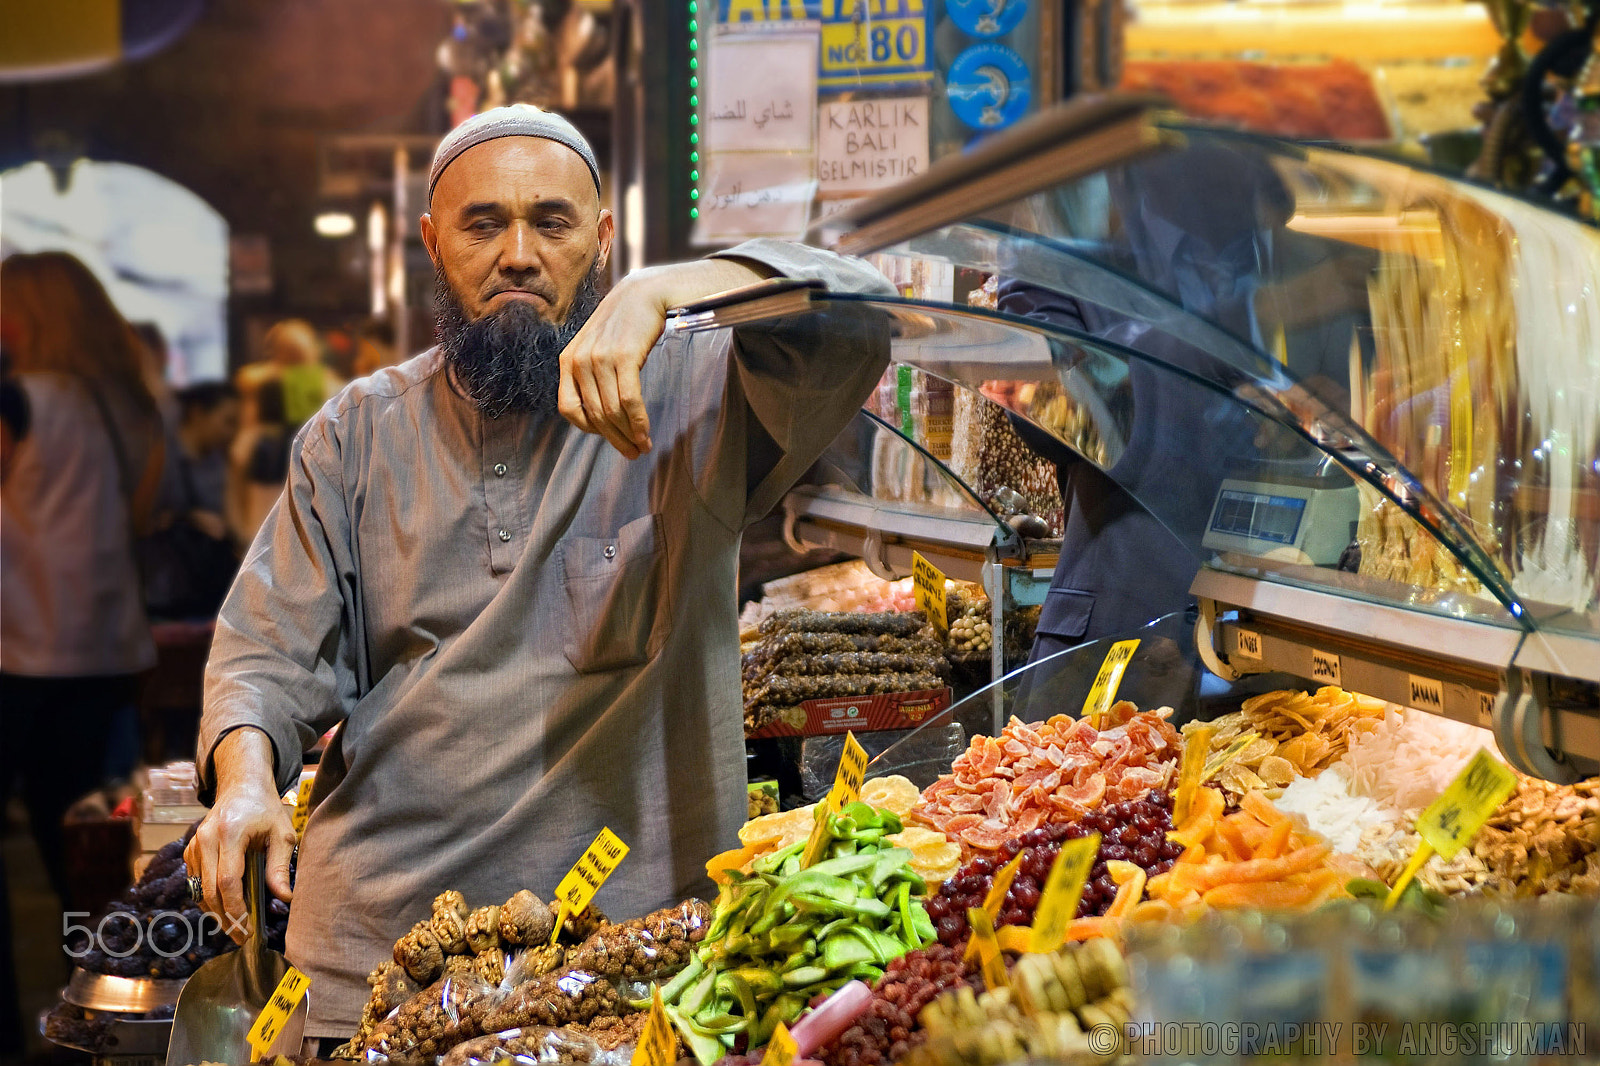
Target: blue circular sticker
989,86
987,18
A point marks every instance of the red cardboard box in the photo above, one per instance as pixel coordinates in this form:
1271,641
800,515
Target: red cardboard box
861,714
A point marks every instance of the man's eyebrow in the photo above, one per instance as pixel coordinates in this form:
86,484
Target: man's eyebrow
552,205
557,205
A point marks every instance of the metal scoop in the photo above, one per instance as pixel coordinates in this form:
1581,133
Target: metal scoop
223,998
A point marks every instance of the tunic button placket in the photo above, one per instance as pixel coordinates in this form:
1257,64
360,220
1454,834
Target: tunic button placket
611,551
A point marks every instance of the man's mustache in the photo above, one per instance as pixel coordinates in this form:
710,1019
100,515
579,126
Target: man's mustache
548,297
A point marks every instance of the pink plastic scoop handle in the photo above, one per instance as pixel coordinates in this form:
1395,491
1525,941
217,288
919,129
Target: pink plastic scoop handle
823,1025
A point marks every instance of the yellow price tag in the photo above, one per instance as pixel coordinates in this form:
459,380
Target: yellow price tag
781,1049
1452,820
990,961
302,805
1103,693
1058,900
1002,884
587,875
846,790
1195,750
270,1022
658,1044
848,778
928,586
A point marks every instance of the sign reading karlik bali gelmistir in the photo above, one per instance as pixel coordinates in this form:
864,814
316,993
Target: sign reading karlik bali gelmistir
866,145
866,44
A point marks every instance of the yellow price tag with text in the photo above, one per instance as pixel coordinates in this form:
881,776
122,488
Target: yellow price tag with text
302,805
781,1049
270,1022
1195,749
658,1044
1452,820
990,961
587,875
1103,693
927,583
1058,900
846,790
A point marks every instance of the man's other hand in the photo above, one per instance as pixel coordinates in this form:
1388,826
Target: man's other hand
600,388
248,815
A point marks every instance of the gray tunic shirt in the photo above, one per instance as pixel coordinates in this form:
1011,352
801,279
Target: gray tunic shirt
526,636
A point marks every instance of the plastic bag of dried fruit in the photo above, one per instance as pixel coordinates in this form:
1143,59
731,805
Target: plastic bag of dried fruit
643,949
431,1022
556,999
536,1044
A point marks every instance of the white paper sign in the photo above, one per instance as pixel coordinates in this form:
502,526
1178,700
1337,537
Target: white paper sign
761,93
755,194
866,145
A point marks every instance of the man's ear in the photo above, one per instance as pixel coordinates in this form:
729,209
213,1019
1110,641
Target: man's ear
430,238
607,231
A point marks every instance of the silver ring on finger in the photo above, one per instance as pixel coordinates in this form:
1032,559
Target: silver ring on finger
196,889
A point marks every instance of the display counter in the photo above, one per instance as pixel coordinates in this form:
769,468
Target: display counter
1360,401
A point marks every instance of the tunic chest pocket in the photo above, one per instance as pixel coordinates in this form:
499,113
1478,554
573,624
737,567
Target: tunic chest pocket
617,592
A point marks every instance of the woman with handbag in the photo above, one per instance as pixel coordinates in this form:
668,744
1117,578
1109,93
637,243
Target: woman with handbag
77,492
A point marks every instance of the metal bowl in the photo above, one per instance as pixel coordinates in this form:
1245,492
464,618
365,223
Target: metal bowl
120,1037
136,995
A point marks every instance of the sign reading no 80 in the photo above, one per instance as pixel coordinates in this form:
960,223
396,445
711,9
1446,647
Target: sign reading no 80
865,43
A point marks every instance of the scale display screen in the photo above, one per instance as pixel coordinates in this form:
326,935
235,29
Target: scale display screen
1258,516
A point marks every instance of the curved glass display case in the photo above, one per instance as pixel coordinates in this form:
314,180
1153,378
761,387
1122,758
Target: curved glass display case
1363,397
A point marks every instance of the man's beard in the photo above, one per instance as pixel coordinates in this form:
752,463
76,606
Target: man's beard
509,359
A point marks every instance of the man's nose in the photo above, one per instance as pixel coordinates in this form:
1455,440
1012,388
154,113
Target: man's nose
517,253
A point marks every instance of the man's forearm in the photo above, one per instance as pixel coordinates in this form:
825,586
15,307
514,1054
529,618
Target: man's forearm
244,761
682,283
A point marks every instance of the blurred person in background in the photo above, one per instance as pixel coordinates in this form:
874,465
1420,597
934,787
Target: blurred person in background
293,358
78,489
259,462
189,561
14,416
156,365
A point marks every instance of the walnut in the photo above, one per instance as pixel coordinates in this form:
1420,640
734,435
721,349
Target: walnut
483,929
538,961
525,920
418,952
491,965
391,986
460,965
449,922
579,927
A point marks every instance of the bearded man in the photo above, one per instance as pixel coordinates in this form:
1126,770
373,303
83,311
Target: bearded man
507,569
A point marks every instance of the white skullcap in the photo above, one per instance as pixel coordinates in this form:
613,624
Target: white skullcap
514,120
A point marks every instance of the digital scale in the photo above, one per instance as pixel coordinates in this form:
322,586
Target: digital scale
1286,512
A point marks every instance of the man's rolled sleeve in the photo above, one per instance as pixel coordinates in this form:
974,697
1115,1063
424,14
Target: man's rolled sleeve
840,273
792,385
282,660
